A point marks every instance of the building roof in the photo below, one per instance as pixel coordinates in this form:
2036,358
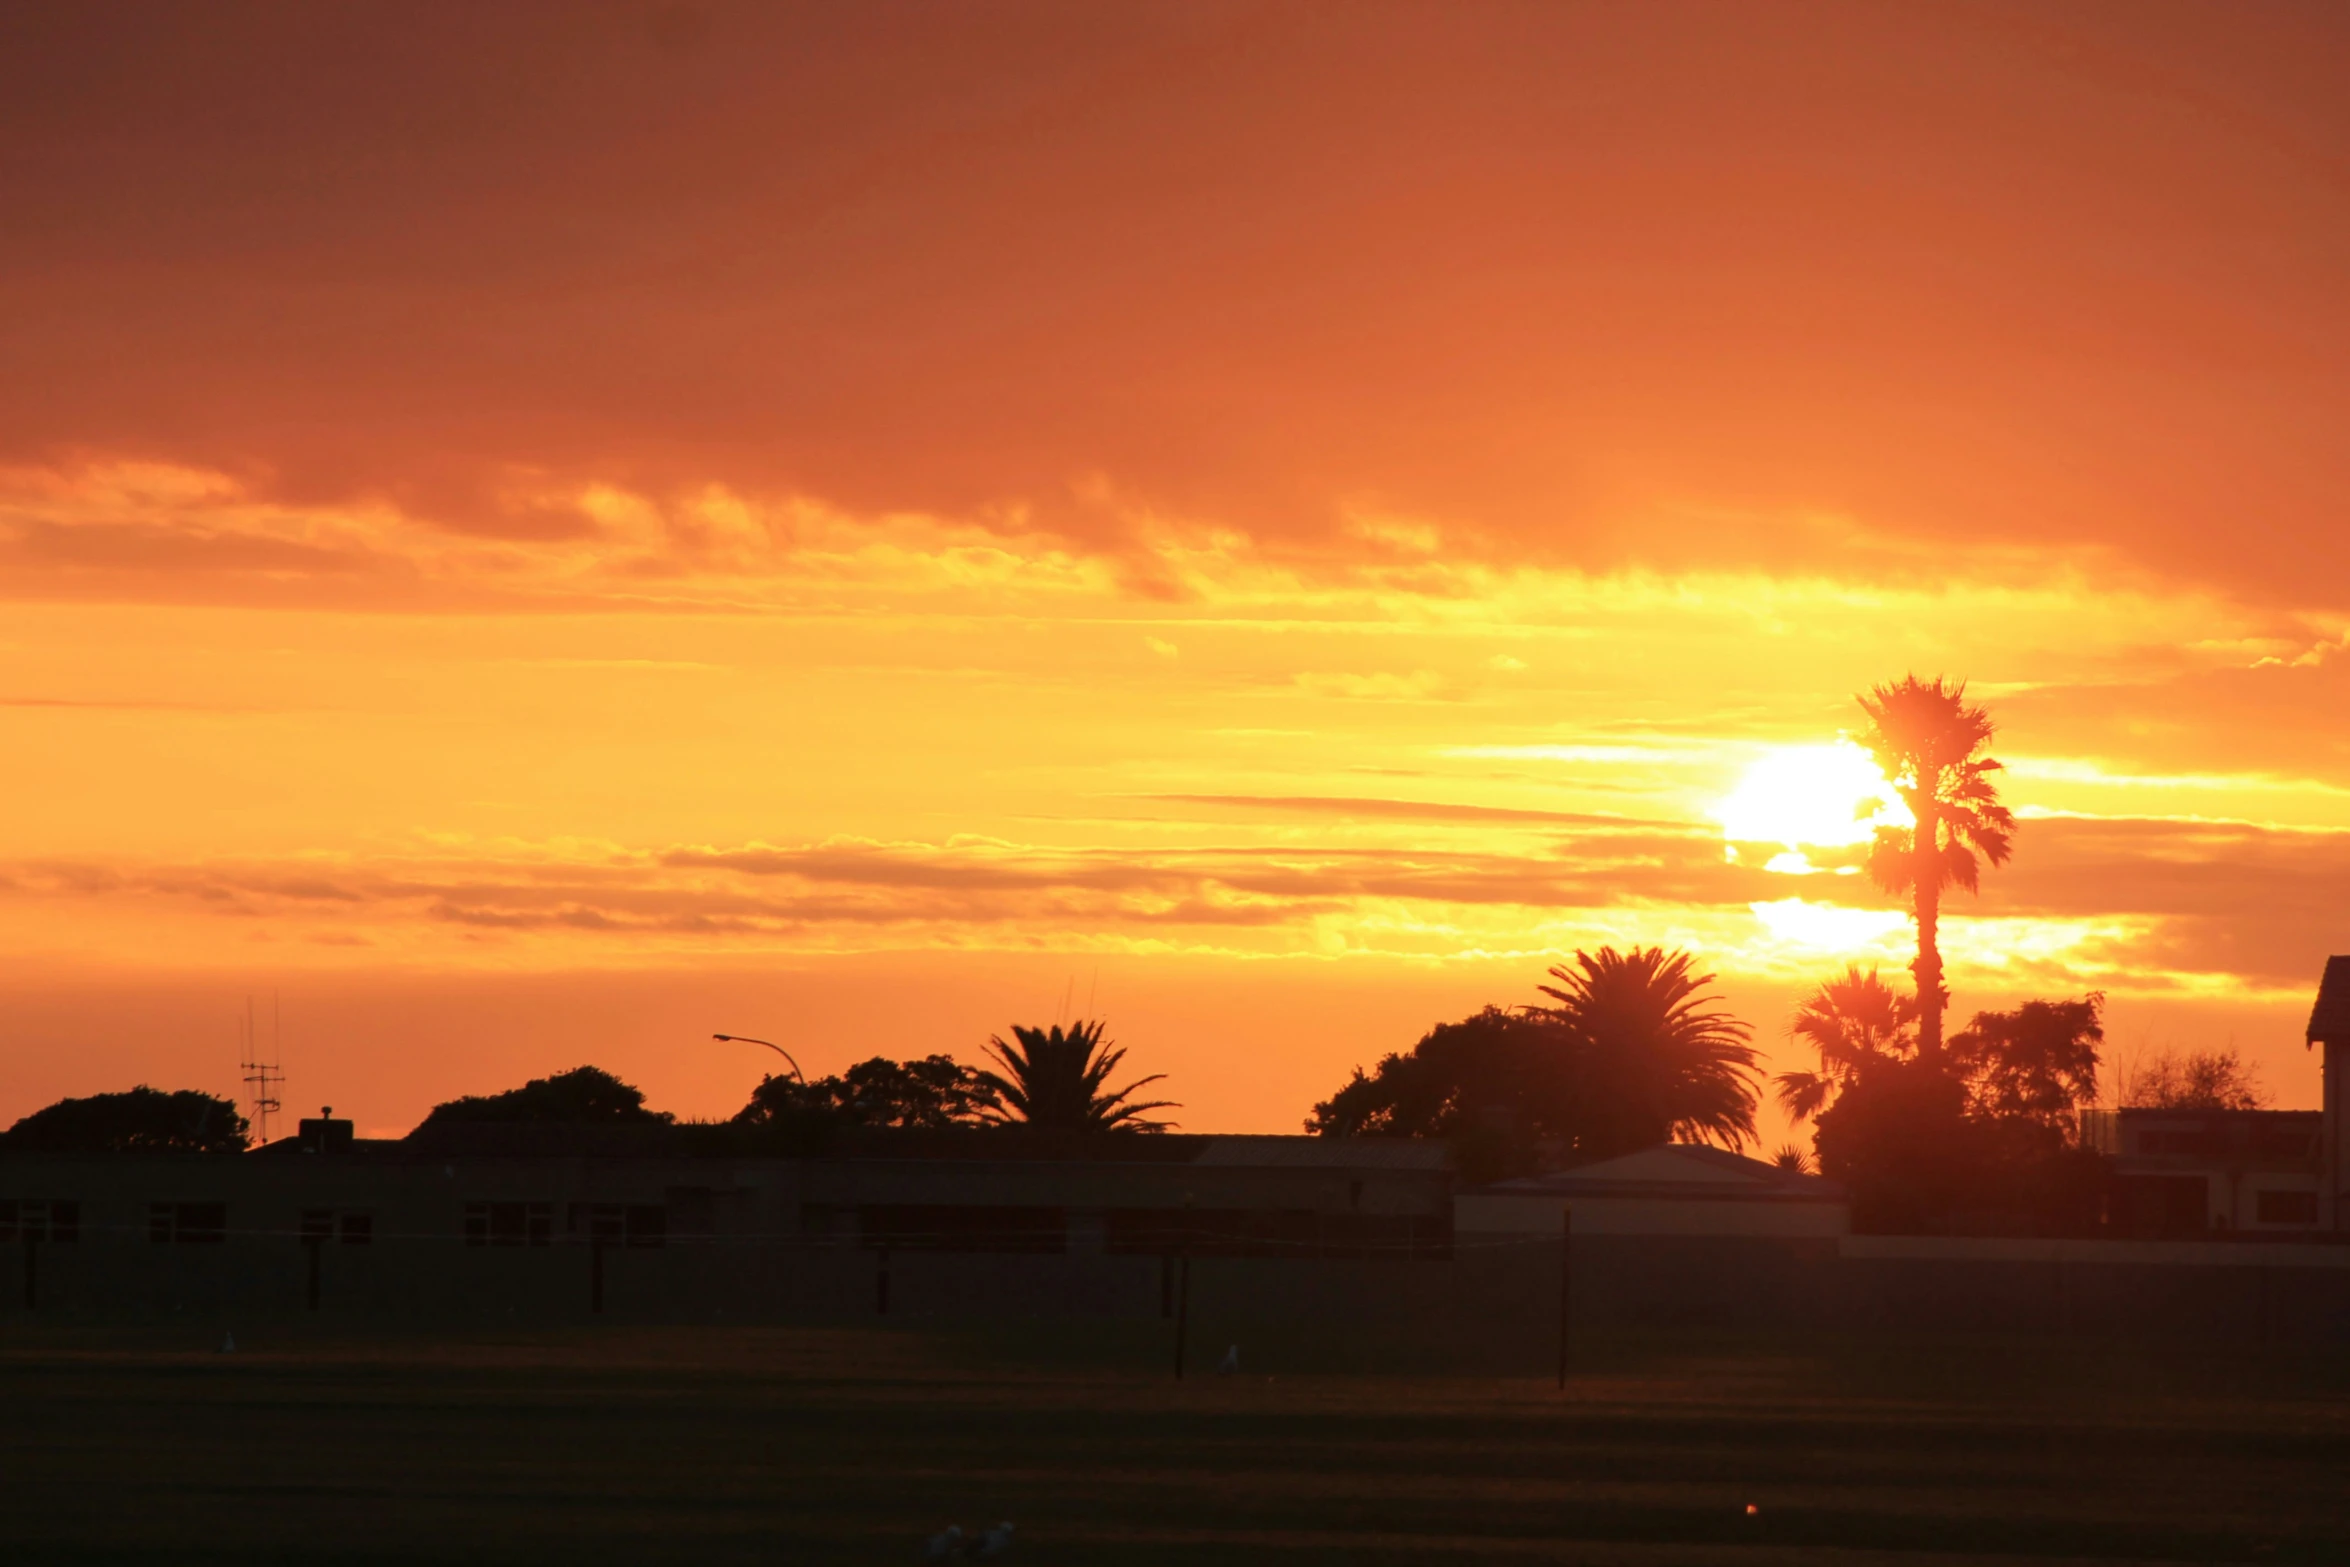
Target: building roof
2329,1020
1670,1170
978,1144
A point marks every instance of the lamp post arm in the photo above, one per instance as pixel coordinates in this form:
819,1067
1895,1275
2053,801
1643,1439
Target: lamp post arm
745,1039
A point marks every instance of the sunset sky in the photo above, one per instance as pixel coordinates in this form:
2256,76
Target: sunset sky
534,534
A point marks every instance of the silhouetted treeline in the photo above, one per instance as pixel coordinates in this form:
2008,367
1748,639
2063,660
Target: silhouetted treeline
1627,1053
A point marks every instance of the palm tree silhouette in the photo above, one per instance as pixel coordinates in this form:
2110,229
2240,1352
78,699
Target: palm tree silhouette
1053,1078
1853,1022
1652,1063
1929,744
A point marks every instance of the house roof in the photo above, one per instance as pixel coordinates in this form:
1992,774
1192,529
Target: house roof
2329,1020
1669,1170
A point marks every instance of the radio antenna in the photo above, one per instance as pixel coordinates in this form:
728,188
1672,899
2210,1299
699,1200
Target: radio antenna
262,1078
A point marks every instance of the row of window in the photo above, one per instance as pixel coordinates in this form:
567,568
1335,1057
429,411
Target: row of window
533,1223
1201,1232
2265,1145
486,1223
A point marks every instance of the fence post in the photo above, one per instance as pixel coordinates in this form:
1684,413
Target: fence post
1566,1290
32,1270
596,1273
313,1244
1182,1311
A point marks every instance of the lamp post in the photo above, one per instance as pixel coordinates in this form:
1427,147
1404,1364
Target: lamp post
745,1039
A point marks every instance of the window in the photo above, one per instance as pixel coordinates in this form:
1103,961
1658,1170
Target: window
188,1223
509,1223
2284,1145
2286,1207
321,1225
2174,1142
40,1219
957,1227
620,1224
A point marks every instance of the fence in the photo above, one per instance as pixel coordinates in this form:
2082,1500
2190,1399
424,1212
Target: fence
1478,1303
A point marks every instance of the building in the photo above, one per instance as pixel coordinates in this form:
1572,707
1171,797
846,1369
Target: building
2187,1173
2192,1173
680,1219
2329,1027
1673,1189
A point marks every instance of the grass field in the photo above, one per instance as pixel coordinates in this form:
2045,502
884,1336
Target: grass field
779,1445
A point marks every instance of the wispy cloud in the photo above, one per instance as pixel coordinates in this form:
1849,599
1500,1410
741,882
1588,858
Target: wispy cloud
2131,905
1411,810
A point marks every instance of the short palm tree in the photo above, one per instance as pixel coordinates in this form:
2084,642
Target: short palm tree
1651,1060
1053,1078
1929,744
1853,1022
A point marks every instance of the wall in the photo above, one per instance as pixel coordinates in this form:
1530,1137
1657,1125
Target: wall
1497,1213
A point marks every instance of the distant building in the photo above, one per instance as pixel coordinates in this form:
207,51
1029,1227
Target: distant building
1671,1189
2189,1173
2179,1174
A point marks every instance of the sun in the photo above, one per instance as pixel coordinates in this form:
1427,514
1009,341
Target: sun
1809,797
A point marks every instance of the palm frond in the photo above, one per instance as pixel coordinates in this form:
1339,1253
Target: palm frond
1804,1095
1649,1046
1056,1078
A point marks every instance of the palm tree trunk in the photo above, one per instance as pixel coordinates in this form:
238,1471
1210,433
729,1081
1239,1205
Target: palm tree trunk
1928,968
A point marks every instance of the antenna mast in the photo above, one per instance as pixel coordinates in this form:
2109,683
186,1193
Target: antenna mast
261,1078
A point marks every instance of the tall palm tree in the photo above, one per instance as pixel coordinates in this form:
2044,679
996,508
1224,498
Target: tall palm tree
1652,1062
1053,1078
1929,744
1852,1021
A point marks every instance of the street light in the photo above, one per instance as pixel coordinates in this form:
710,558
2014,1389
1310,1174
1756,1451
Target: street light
745,1039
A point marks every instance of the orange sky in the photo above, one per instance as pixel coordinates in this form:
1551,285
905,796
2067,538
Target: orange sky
535,534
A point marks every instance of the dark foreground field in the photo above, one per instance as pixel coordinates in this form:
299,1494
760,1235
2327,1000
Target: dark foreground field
777,1445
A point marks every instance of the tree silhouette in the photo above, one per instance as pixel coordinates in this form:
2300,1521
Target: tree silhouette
1493,1065
1500,1086
1650,1063
1855,1022
583,1096
1054,1079
928,1094
1929,744
2037,1064
139,1120
1982,1134
2195,1080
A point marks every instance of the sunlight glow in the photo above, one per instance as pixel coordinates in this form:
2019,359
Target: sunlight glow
1815,796
1825,926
